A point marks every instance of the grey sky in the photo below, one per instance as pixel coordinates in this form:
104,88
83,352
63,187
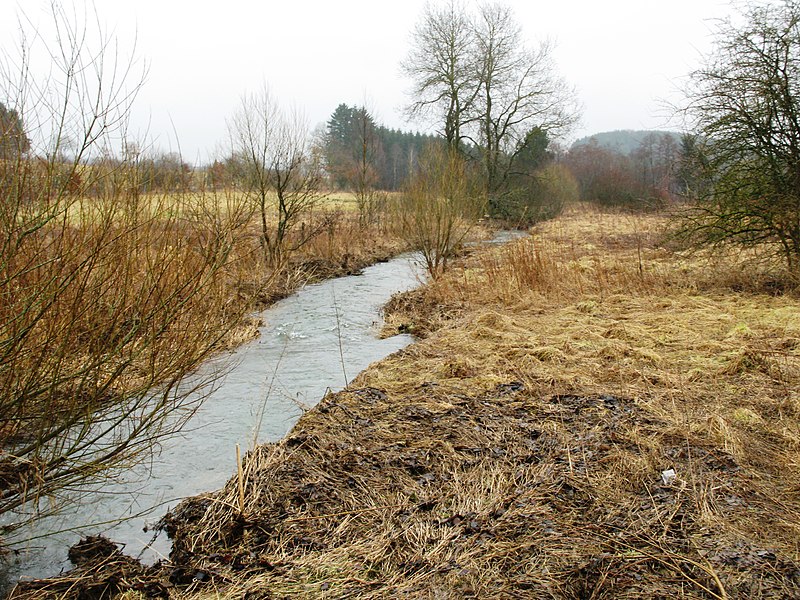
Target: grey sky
624,57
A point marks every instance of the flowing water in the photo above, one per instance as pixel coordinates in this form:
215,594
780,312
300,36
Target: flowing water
315,340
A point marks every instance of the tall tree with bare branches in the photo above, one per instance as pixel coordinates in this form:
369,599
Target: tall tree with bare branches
443,67
474,76
519,90
282,175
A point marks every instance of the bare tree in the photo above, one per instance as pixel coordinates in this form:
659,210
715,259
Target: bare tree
354,156
282,174
474,74
654,161
744,106
443,66
440,205
519,90
364,175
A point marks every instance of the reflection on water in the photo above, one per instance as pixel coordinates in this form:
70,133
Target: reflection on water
313,341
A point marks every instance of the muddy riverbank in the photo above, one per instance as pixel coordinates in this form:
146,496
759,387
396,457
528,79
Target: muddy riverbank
589,415
303,345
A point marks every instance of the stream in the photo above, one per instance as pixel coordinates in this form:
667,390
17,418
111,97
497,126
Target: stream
315,340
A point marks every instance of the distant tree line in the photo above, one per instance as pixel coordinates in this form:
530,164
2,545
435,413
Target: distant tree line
157,172
624,141
352,137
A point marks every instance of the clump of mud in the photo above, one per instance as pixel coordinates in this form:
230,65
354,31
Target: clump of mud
101,571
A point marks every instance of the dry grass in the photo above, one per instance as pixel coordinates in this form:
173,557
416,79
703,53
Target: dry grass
518,450
109,302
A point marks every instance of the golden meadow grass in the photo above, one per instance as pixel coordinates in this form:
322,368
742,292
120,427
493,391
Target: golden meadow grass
518,450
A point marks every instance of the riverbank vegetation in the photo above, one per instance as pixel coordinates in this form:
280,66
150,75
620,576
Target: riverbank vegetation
608,408
588,413
110,299
121,271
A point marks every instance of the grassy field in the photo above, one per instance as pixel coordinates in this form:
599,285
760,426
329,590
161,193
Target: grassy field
190,204
589,414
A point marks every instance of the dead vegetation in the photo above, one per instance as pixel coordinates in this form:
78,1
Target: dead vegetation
114,297
519,450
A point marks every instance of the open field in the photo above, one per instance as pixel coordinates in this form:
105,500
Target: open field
191,204
522,447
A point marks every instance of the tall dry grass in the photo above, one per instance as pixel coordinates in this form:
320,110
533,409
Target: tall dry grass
589,255
519,450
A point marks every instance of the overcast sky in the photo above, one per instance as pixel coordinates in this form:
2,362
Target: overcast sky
624,57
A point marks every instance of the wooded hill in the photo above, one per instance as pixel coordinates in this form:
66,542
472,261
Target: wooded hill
625,141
